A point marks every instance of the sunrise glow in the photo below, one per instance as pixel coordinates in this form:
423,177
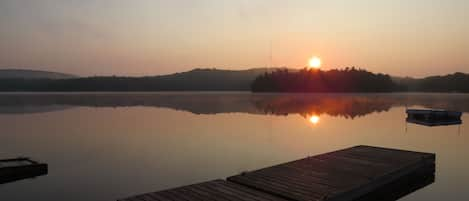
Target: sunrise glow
314,119
315,62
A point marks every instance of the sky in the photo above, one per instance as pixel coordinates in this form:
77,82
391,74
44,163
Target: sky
149,37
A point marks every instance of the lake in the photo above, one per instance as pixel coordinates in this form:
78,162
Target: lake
105,146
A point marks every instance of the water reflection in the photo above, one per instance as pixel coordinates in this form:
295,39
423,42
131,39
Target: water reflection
31,109
342,105
314,119
104,139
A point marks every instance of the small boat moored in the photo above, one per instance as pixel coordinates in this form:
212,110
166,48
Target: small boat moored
433,117
20,168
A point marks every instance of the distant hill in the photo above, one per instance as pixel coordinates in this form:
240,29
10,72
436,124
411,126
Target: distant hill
32,74
211,79
194,80
456,82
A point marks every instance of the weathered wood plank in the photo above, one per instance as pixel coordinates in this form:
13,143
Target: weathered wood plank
342,175
217,190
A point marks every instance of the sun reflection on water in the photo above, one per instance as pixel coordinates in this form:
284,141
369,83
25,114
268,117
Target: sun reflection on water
314,119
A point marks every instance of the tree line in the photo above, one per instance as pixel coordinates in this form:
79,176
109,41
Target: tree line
311,80
260,80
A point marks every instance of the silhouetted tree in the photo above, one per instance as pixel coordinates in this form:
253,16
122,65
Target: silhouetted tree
346,80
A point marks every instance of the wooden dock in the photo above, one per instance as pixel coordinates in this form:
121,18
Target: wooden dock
20,168
212,190
344,175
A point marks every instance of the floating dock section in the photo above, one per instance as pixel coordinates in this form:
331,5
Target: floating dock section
20,168
357,173
434,117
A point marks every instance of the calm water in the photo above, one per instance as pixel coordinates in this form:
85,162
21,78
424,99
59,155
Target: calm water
109,146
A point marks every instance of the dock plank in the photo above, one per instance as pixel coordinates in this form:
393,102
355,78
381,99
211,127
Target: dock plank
360,172
341,175
216,190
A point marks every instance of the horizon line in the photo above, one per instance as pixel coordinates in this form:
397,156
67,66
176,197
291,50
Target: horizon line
218,68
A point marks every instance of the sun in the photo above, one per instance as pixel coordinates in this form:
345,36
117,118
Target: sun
315,62
314,119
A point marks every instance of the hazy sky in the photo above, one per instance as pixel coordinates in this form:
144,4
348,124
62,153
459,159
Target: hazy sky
139,37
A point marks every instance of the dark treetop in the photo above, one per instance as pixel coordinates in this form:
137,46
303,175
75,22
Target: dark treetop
346,80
